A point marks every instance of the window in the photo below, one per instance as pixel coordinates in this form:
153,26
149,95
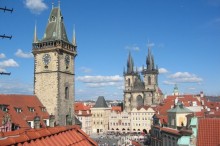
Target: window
18,110
129,82
31,109
149,80
66,93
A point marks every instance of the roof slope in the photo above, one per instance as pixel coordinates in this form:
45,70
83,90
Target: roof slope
62,136
208,132
23,102
101,103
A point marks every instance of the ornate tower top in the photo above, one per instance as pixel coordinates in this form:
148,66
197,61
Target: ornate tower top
55,36
130,64
55,29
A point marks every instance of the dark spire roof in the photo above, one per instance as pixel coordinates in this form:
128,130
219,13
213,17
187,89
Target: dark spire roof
55,29
101,103
150,60
130,64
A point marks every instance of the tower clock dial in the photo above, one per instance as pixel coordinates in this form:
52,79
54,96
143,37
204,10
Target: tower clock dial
67,60
46,59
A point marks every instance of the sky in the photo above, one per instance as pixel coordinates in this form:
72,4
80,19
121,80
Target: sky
184,37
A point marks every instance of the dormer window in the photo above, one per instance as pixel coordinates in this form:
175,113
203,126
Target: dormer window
43,109
53,18
18,109
3,107
31,109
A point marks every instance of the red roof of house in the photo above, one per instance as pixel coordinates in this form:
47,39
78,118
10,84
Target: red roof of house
56,136
116,109
208,132
24,102
81,109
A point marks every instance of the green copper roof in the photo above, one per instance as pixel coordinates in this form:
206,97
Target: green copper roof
179,108
184,140
55,29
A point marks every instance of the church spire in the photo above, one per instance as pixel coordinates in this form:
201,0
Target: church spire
130,64
55,29
35,34
149,59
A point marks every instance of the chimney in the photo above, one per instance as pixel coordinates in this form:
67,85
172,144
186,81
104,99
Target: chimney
36,122
51,120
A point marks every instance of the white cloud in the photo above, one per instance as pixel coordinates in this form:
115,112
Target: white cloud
8,63
133,47
15,87
168,82
85,69
185,77
35,6
2,70
2,55
99,79
163,70
21,54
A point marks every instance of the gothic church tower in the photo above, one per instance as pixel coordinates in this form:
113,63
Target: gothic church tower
138,91
54,57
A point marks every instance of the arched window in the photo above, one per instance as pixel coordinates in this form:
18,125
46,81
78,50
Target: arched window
149,80
139,101
129,82
66,93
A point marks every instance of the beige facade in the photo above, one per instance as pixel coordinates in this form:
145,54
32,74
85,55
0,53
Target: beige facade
100,119
119,122
86,121
141,119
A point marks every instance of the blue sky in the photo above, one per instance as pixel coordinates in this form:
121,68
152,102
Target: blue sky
184,36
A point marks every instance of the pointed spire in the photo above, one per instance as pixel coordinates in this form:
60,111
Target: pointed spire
74,37
52,4
149,60
58,22
35,34
130,64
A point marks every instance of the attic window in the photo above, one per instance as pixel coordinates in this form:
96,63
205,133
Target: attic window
31,109
53,18
18,110
43,109
3,107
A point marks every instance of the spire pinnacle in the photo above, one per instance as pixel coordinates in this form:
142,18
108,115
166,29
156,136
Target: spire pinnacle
74,36
35,34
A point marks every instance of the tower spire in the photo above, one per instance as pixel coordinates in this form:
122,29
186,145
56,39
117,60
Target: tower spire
74,36
35,34
130,64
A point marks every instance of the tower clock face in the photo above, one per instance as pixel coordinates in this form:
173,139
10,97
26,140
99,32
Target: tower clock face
67,60
46,59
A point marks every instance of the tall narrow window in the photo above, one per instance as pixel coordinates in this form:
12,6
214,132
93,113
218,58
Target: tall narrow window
129,82
66,93
149,80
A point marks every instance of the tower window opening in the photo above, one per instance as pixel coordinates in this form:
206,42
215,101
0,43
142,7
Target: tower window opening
149,80
129,82
66,93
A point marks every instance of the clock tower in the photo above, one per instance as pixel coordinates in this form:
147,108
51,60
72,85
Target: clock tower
54,63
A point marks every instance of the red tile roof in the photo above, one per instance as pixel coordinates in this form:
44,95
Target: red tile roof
82,110
23,102
60,136
116,109
208,132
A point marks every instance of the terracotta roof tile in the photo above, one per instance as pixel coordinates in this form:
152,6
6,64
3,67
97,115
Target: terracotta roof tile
208,132
62,135
23,102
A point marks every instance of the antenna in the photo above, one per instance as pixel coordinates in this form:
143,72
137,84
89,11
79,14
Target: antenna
5,36
6,9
